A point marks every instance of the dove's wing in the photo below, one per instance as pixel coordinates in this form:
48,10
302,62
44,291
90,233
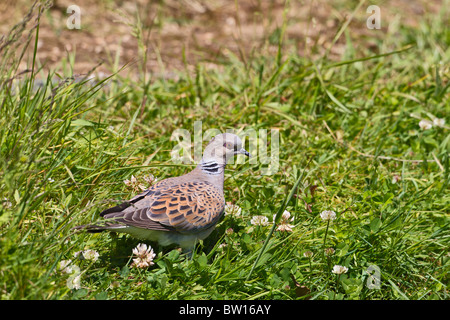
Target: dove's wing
187,207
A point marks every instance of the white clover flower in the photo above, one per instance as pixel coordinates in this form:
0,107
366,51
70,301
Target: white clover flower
131,182
150,179
439,122
425,124
307,254
6,203
141,250
134,183
395,179
90,255
328,215
144,256
286,215
65,267
232,210
259,221
86,255
74,282
337,269
284,225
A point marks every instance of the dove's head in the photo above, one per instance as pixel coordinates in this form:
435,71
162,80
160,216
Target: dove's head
223,147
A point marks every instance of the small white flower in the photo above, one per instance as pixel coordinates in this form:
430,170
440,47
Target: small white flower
51,180
259,221
284,222
328,215
6,203
232,210
65,267
286,216
74,282
439,122
229,231
90,255
144,256
285,227
425,124
337,269
130,183
307,254
141,250
86,255
150,179
136,185
395,179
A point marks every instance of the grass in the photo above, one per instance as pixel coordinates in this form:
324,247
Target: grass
349,142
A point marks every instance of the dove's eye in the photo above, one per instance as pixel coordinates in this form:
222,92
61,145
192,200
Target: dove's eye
228,145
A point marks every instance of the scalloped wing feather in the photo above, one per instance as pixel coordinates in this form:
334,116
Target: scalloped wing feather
187,207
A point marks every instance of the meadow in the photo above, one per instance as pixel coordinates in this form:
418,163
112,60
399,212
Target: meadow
365,136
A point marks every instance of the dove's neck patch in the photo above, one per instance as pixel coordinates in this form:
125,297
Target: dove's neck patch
212,167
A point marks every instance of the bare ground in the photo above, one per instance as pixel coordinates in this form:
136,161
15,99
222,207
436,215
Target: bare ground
181,33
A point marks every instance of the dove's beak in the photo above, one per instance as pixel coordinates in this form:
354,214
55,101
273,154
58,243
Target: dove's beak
244,152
